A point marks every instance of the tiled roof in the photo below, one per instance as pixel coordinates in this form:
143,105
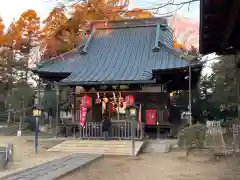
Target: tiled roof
119,54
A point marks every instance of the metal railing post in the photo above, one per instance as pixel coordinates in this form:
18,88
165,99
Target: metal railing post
133,137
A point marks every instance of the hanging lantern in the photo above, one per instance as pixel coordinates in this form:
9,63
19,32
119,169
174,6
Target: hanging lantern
124,105
129,100
86,102
105,99
120,100
98,100
103,107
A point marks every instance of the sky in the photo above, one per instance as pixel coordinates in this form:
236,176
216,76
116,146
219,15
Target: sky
11,9
191,11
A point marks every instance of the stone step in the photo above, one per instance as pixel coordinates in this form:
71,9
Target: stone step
97,141
92,147
113,151
100,151
98,147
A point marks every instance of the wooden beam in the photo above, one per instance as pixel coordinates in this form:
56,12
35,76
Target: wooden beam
238,83
233,16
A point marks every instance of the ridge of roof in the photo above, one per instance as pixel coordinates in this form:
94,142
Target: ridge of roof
100,24
154,19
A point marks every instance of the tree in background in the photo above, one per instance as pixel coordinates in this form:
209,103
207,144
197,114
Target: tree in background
224,85
137,13
215,97
2,27
67,33
28,26
16,45
50,32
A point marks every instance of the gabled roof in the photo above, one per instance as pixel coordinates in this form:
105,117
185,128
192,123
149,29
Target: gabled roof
119,54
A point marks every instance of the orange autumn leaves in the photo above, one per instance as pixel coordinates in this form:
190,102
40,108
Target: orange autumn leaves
21,32
2,27
61,30
138,13
65,33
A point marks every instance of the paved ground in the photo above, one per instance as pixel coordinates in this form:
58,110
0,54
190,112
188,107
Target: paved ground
169,166
55,168
24,155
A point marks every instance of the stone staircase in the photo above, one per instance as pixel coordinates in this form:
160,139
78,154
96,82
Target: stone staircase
98,147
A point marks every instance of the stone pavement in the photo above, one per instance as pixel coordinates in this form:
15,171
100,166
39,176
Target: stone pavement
54,169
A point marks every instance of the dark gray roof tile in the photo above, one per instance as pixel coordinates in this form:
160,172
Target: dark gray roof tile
123,54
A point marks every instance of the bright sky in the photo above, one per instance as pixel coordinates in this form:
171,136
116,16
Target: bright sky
191,11
11,9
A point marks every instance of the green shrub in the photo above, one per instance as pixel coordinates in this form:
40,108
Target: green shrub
192,137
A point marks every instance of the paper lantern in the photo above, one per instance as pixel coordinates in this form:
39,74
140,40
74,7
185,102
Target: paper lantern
98,100
129,100
86,102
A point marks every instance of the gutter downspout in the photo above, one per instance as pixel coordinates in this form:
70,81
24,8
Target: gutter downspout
84,50
156,46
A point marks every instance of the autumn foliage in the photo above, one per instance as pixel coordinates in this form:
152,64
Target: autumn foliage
64,34
2,27
64,29
16,44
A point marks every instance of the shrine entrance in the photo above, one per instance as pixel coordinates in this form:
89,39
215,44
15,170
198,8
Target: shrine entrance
115,106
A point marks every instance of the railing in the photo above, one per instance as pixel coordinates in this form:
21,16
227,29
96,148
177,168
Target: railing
15,115
119,130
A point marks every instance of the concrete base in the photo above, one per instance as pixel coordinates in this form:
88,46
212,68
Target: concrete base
157,146
19,133
6,155
43,128
3,162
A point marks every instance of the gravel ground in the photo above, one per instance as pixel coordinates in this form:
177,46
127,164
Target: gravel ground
171,166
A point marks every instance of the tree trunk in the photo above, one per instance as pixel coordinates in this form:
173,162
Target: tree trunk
9,114
9,83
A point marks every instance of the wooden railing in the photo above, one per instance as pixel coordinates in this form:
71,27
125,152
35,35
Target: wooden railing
119,130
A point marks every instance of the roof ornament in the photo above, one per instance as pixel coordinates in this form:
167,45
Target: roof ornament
156,46
84,50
